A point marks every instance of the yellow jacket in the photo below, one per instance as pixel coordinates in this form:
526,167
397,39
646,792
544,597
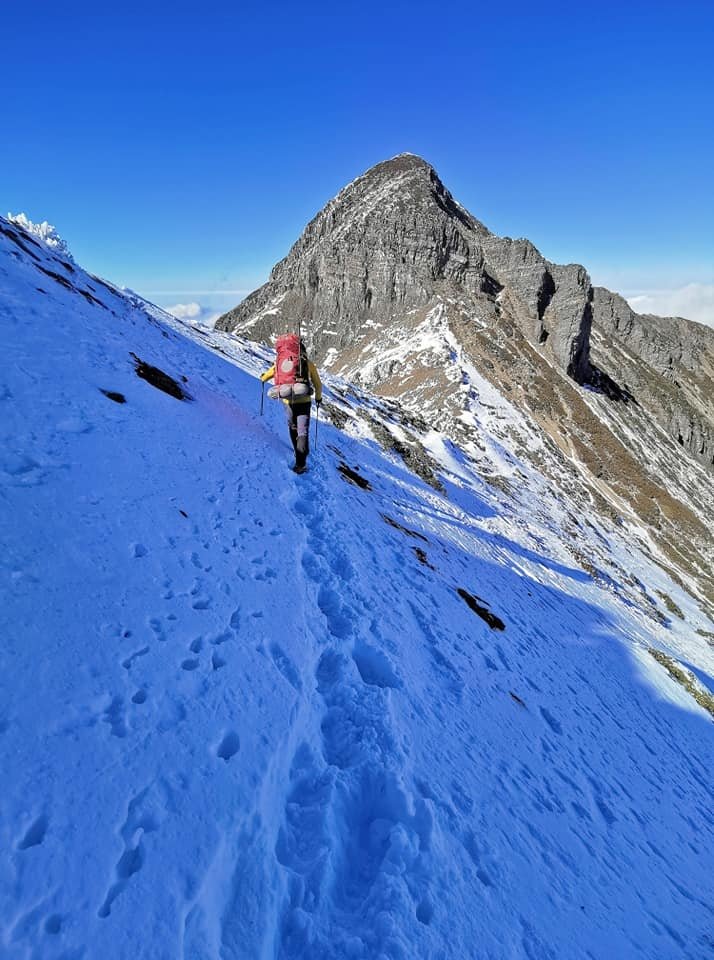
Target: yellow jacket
314,380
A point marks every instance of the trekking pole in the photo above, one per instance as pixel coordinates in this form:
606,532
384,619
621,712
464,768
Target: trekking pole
317,420
262,397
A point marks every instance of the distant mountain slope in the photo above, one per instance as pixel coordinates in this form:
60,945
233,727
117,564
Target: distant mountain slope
401,290
378,711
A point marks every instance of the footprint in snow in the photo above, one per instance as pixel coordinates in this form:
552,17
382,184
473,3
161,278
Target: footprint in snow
23,469
330,670
134,656
35,833
551,721
74,425
304,840
461,799
53,924
339,618
157,628
285,665
229,746
138,823
481,857
25,927
374,667
425,911
114,717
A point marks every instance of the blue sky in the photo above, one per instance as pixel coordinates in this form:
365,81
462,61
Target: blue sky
181,148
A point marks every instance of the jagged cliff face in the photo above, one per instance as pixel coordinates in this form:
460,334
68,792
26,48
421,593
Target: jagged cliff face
667,364
395,240
401,290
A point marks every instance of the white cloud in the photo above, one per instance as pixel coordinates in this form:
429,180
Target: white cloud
185,311
201,315
695,301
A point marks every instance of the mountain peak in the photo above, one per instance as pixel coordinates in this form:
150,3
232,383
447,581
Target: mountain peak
395,240
406,178
402,163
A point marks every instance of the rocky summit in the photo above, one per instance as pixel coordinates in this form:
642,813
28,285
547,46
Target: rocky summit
395,240
399,289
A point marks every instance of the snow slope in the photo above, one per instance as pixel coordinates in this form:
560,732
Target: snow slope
245,714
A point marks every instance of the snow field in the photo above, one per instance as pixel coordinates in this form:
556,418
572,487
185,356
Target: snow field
240,717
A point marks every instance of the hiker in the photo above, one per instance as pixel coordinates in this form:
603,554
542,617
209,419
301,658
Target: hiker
295,377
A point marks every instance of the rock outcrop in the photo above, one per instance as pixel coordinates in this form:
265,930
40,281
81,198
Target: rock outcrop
402,291
666,363
396,240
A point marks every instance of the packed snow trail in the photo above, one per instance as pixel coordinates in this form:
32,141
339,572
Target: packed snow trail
241,717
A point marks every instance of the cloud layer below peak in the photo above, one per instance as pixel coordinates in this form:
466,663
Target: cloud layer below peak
695,301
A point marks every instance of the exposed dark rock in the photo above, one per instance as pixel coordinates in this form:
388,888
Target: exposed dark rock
56,276
395,240
412,453
668,363
92,299
603,383
157,378
669,603
494,622
686,679
114,395
422,558
398,526
354,477
12,235
336,414
103,284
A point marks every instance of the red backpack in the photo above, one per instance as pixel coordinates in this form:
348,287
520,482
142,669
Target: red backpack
292,377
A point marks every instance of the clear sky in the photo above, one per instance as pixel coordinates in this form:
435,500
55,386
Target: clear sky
180,148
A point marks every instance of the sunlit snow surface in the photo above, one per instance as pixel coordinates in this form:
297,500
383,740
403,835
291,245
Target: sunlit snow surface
240,717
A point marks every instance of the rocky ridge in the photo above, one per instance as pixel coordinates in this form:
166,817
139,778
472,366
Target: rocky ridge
394,240
402,291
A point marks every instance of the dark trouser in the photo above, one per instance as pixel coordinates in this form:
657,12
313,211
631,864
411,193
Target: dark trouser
298,415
